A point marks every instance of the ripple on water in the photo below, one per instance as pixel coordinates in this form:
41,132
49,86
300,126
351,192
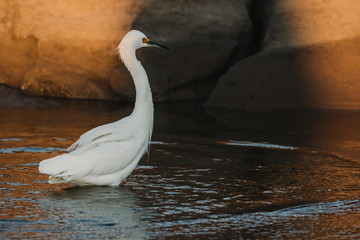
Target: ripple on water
187,187
162,143
257,144
261,222
29,164
10,139
31,150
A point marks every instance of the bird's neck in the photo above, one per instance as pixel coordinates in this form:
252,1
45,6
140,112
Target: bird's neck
144,109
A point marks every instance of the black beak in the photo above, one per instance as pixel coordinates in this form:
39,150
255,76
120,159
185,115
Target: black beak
155,44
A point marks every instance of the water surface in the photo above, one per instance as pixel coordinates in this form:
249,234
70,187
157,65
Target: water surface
263,175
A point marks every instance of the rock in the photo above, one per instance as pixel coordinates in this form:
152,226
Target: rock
202,36
67,48
309,59
46,79
122,83
13,98
63,48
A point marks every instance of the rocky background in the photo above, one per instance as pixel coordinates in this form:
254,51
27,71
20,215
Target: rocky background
235,54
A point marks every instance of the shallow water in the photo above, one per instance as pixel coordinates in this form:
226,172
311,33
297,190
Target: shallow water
263,175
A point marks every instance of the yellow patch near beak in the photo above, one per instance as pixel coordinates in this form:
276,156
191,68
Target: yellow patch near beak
145,40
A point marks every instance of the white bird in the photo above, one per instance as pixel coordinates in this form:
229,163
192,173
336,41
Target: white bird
107,154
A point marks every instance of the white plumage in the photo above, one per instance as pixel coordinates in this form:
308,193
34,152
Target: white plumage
107,154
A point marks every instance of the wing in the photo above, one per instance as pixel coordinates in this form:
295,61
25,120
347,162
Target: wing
107,157
108,132
104,159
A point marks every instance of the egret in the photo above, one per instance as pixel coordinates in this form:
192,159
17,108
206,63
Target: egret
107,154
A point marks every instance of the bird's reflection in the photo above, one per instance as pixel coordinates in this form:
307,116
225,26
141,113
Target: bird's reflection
109,211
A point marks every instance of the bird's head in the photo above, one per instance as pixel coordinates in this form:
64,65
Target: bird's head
136,39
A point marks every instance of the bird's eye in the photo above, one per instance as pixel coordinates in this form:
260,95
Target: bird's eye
145,40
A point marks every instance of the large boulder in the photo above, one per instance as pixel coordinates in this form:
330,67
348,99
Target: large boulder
67,48
309,58
62,48
13,98
201,35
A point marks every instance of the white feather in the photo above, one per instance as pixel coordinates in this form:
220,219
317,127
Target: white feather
107,154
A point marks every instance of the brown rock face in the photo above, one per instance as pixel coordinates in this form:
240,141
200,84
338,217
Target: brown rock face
63,48
121,82
309,58
201,36
266,54
68,48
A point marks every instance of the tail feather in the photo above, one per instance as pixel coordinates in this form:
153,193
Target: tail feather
59,178
57,168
